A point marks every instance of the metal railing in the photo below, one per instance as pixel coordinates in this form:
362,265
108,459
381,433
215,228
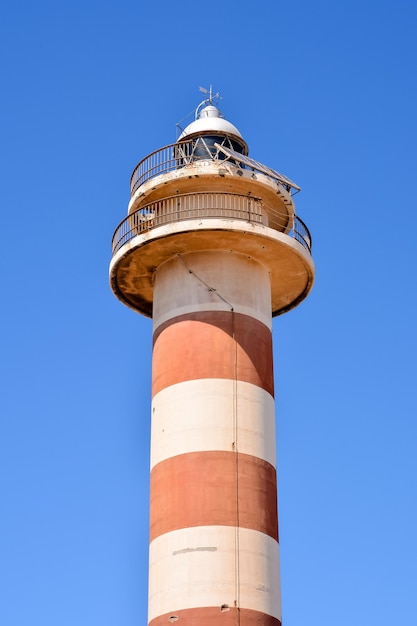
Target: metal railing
301,233
176,156
158,162
207,206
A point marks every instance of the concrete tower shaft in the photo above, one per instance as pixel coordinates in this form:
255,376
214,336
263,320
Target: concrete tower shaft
213,515
211,249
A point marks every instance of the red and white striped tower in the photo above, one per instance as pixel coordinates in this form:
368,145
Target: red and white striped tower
212,249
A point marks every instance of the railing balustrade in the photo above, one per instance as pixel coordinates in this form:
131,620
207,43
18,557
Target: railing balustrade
214,205
176,156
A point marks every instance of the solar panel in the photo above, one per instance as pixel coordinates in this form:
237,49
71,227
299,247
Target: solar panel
284,180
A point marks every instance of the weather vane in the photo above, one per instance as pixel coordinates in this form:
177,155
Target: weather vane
209,100
210,93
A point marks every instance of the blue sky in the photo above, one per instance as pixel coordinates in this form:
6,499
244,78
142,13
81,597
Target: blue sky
324,92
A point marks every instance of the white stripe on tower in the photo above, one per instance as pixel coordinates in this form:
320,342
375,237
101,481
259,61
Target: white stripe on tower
189,576
213,514
178,428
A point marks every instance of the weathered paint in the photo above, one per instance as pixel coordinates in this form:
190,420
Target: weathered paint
194,568
212,281
133,267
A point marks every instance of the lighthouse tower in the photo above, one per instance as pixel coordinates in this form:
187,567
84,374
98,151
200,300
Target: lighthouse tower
212,249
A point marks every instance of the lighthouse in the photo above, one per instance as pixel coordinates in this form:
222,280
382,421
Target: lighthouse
211,250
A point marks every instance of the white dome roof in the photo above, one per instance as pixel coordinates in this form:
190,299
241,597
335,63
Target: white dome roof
210,119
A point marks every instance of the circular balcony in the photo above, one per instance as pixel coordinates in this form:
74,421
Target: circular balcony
187,223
